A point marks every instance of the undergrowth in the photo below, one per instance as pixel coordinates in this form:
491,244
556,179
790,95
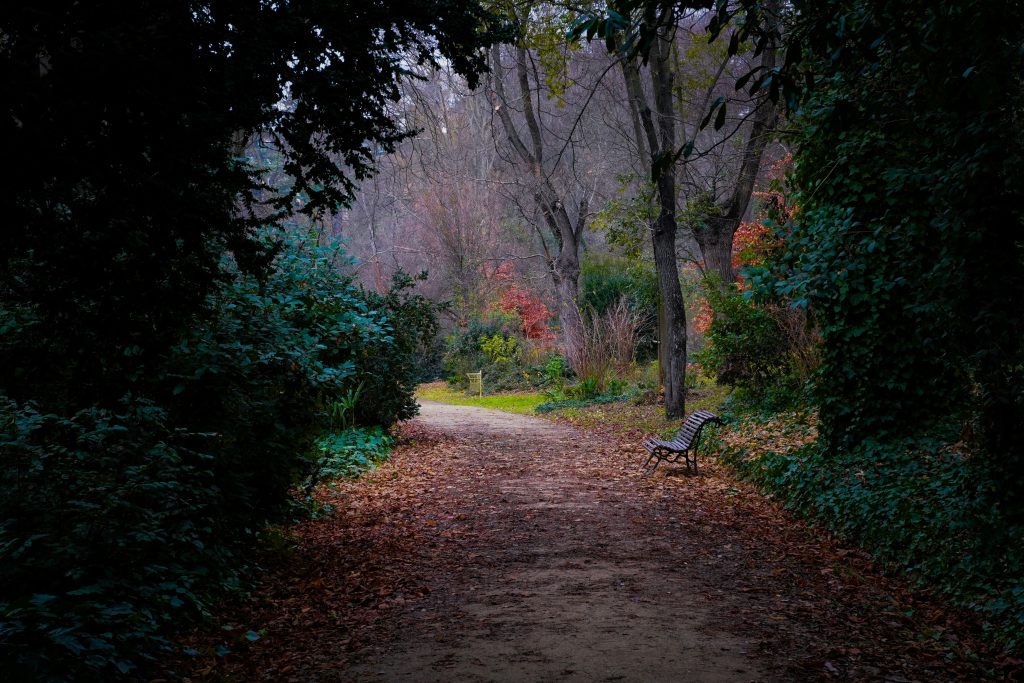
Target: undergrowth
579,402
349,453
919,507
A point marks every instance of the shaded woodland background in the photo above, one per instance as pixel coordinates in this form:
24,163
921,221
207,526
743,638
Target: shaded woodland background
211,300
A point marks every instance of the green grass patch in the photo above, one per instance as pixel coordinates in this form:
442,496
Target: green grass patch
519,402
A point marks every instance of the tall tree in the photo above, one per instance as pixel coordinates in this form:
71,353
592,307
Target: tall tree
563,217
715,232
658,142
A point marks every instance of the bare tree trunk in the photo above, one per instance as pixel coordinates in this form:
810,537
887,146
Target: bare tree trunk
661,142
565,266
715,236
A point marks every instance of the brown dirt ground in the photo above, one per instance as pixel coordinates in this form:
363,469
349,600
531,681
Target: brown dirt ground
498,547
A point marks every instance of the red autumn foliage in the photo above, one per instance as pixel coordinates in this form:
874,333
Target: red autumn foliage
754,242
525,303
703,317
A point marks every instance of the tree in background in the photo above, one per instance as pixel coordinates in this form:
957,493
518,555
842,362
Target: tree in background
647,40
715,231
530,86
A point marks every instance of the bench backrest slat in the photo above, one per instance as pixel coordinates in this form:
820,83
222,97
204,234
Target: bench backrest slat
692,427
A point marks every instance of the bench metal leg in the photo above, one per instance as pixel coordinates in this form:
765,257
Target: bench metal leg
657,457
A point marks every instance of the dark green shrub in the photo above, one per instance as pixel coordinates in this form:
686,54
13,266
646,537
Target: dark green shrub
748,347
119,523
388,367
108,535
607,279
261,372
349,453
744,343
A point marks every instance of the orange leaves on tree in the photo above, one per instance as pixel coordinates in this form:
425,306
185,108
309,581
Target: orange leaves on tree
703,317
524,303
755,241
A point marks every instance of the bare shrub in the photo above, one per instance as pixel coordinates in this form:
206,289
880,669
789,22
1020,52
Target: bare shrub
803,338
621,325
606,345
590,356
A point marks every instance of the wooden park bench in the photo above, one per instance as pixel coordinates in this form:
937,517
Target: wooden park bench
683,445
476,382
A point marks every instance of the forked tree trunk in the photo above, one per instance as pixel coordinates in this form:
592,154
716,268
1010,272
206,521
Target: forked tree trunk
565,265
717,233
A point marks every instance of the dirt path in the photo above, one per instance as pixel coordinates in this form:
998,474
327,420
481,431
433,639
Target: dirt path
497,547
570,582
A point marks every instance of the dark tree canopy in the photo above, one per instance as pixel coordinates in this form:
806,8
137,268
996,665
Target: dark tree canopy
169,361
121,129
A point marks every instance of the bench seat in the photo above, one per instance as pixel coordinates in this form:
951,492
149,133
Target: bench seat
683,445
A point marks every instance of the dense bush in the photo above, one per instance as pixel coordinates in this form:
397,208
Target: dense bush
118,523
163,369
109,532
921,507
607,280
388,367
744,346
760,349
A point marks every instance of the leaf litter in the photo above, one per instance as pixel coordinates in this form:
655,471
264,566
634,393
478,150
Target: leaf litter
498,547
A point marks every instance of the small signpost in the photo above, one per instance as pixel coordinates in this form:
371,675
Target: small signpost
476,382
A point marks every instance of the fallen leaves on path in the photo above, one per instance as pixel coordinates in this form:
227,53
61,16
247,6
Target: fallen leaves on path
450,509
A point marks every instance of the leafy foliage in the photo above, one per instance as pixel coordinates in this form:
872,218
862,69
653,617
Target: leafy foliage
389,368
501,349
80,491
466,353
349,453
173,489
165,365
524,303
177,504
919,505
744,342
906,248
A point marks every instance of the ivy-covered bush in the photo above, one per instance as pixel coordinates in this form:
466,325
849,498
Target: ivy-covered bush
907,250
117,523
920,506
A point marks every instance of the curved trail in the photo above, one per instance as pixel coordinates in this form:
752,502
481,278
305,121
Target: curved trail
495,547
566,574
